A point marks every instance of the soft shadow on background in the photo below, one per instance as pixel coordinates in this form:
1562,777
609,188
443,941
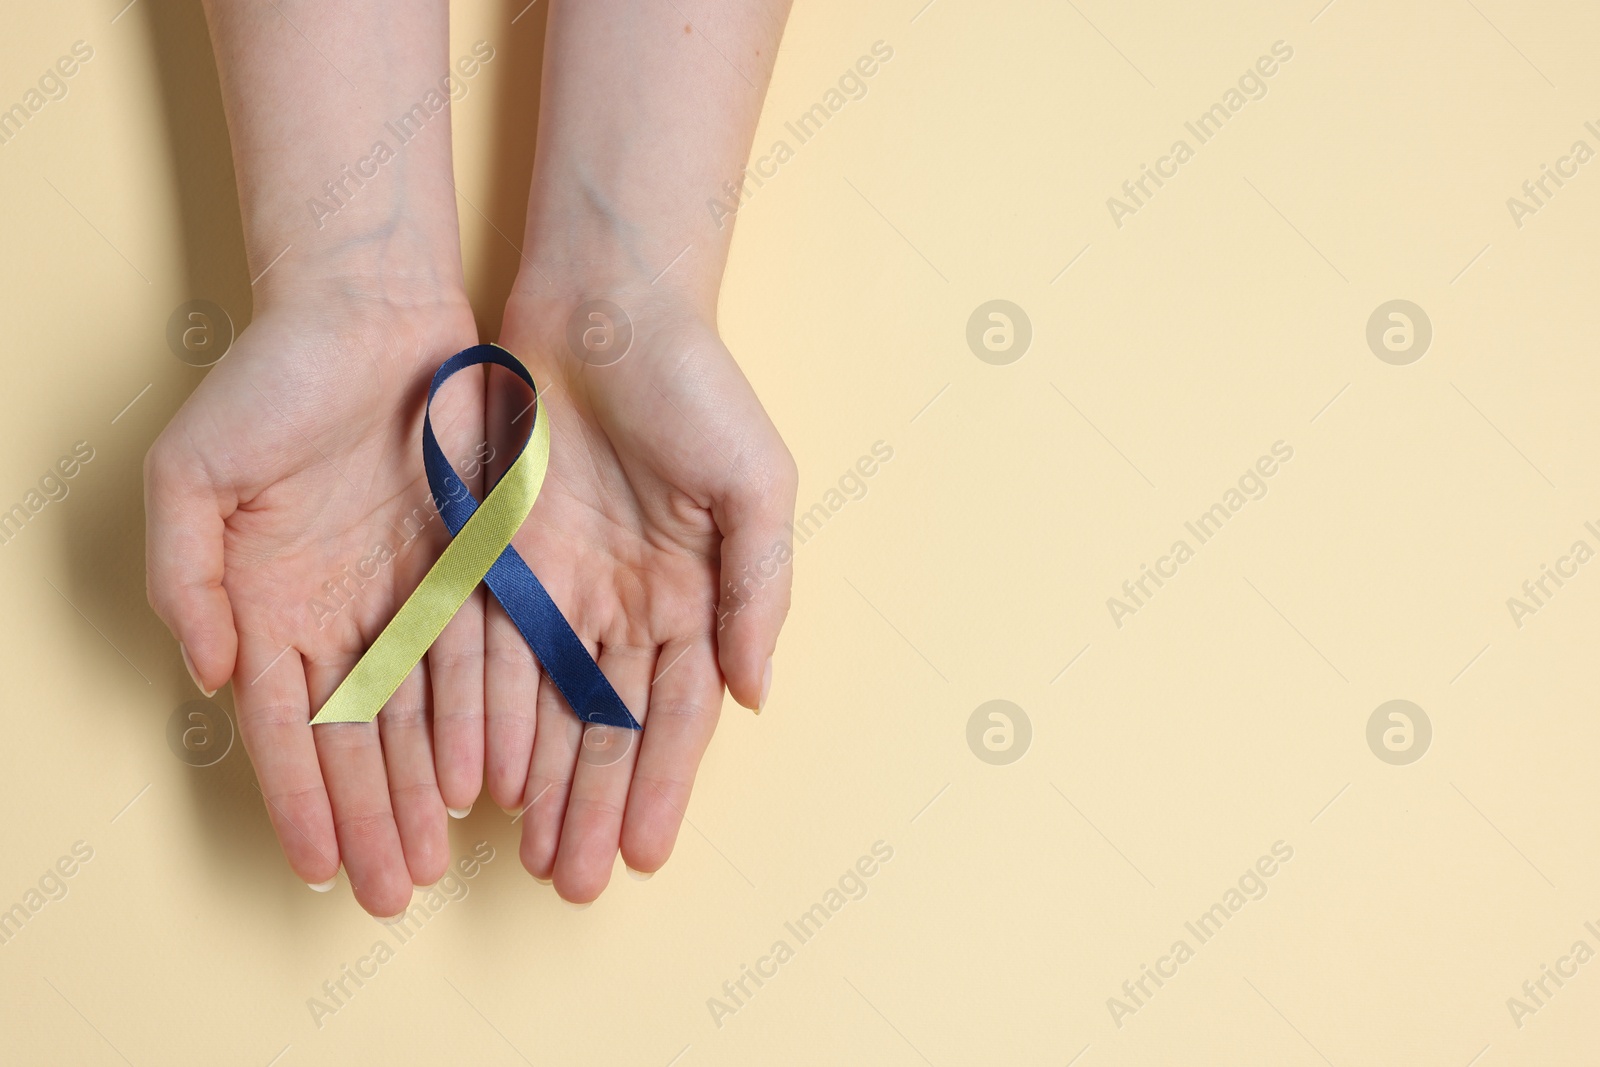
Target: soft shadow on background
227,806
105,557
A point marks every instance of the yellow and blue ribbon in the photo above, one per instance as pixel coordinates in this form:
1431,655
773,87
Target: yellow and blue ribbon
480,551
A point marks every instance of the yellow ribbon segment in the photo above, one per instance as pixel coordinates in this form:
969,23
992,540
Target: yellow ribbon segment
448,583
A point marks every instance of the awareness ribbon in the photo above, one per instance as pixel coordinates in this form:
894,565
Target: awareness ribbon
480,551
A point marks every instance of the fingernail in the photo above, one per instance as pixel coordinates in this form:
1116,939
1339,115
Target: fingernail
322,887
640,876
577,907
511,812
766,686
460,813
188,665
543,881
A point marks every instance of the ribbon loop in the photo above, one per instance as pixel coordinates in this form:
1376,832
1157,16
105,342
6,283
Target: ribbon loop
480,551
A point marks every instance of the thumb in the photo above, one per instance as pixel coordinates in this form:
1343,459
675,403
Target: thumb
757,570
183,566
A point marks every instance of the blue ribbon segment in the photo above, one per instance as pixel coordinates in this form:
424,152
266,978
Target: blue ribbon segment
558,649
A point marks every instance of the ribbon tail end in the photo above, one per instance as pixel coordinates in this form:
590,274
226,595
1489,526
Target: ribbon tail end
331,714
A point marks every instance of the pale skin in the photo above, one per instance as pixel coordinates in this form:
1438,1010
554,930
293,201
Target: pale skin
661,530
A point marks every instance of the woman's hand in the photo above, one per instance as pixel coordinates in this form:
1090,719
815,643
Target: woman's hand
662,533
663,528
288,517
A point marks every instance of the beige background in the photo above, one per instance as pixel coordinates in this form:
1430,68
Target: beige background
1228,714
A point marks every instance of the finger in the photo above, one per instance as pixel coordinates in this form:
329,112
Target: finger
685,702
511,674
275,725
555,755
183,566
756,571
358,791
456,664
511,688
592,827
419,813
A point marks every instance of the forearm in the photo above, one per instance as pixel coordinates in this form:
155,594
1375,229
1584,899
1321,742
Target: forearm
647,111
341,141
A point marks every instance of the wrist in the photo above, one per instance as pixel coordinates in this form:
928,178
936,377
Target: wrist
399,268
377,241
609,242
576,299
377,318
577,308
